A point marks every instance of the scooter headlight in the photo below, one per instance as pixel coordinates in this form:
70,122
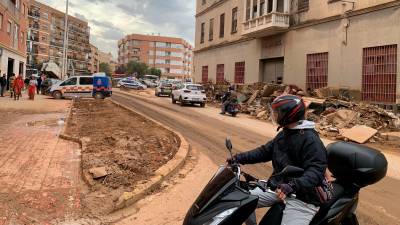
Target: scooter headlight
220,217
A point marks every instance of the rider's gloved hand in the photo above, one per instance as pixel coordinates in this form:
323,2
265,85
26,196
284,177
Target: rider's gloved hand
231,160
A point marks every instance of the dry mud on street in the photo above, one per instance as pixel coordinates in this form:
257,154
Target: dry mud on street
128,148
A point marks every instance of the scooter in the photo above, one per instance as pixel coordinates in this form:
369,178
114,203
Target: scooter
226,199
233,108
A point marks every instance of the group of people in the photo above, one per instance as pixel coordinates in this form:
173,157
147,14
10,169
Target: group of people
15,85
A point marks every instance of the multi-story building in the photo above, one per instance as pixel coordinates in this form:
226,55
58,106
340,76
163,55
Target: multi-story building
173,56
13,29
46,35
94,62
350,45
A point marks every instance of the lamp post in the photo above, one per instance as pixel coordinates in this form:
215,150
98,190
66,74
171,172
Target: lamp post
64,67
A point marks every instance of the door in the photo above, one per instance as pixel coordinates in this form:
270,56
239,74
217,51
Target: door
272,71
10,71
69,88
86,87
21,68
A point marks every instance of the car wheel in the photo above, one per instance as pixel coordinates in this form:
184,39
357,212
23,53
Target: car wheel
57,95
181,101
234,114
99,95
173,99
203,105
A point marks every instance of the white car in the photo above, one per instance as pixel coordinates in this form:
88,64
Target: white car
189,94
132,84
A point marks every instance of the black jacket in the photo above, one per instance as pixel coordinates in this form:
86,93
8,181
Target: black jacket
301,148
3,81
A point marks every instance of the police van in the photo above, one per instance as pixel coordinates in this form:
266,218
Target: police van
97,86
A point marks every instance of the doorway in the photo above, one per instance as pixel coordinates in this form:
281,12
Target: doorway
10,70
272,70
21,69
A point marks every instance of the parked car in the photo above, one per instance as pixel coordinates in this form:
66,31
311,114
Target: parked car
149,83
163,89
133,84
189,94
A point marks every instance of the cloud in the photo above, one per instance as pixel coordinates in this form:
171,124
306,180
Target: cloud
112,20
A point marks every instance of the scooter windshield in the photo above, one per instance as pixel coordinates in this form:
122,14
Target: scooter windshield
220,179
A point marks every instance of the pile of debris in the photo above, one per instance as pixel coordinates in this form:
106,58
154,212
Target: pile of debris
337,114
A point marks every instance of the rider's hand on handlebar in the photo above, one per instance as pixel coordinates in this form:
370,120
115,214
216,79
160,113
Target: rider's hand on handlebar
284,190
231,161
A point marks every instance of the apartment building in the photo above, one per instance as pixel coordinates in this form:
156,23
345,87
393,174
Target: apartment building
94,61
345,45
173,56
13,29
46,35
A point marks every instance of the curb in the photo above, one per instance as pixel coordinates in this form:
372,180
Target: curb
164,172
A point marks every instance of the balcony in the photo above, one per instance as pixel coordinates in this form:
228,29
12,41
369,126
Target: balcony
265,17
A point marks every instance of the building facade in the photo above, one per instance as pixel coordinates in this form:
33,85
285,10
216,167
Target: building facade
94,62
13,30
173,56
310,43
46,38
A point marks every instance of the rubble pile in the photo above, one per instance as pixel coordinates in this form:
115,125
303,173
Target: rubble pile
336,113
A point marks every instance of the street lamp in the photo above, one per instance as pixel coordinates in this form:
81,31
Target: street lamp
64,67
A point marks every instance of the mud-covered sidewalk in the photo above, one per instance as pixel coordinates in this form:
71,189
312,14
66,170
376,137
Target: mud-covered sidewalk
120,150
39,173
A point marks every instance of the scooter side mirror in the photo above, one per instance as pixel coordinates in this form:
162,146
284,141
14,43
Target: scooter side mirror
291,171
228,144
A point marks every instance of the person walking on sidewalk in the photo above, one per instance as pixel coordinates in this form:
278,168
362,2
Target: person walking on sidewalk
31,88
3,84
11,85
18,85
39,84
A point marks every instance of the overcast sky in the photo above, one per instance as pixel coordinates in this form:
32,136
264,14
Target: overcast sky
110,20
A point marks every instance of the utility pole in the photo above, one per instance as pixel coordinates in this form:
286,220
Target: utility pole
64,67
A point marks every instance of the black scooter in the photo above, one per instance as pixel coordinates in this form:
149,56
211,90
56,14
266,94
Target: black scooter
226,199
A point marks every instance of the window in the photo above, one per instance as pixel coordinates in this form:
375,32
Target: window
247,9
317,70
195,87
71,81
270,4
9,27
23,9
211,33
17,4
1,21
239,72
254,9
86,81
167,61
234,19
202,33
45,15
204,74
262,6
22,37
303,5
220,74
168,45
203,2
379,74
222,25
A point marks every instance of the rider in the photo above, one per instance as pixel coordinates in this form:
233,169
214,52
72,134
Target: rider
226,99
298,144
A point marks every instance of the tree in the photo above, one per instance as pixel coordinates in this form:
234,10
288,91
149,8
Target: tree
137,67
154,71
105,67
120,70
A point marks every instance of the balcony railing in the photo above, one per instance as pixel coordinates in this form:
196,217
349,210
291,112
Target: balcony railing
269,24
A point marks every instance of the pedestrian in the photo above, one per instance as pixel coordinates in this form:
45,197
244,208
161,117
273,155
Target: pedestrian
17,86
11,85
31,89
3,84
39,84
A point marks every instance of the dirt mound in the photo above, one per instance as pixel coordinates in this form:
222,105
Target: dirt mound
123,148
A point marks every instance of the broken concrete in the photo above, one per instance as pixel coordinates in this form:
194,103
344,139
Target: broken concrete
98,172
359,134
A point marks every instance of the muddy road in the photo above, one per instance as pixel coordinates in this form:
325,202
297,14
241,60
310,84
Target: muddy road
206,131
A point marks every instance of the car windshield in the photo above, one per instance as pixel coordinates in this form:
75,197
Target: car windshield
166,85
194,87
